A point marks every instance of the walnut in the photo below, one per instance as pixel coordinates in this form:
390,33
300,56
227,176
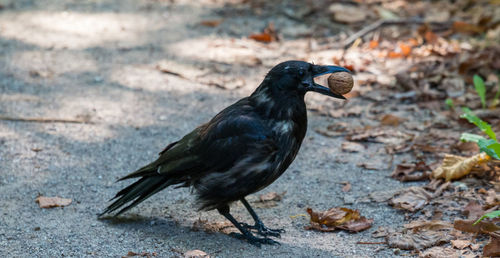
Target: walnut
340,83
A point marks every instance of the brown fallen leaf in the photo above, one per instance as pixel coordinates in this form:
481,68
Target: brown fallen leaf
352,147
269,200
271,196
51,202
455,167
211,23
492,249
144,254
417,241
402,50
383,196
466,147
391,120
338,218
212,227
412,199
473,210
261,37
406,172
460,244
357,225
196,254
434,225
373,44
492,198
268,35
439,251
380,232
481,227
464,27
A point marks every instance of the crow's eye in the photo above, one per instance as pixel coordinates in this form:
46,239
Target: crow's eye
301,72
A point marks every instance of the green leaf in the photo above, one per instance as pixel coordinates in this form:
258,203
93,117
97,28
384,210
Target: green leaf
480,89
490,215
470,137
496,99
449,103
491,147
485,127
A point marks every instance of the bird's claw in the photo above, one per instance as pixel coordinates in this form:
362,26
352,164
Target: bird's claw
257,241
263,230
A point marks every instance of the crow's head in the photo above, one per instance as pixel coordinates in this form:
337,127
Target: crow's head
297,78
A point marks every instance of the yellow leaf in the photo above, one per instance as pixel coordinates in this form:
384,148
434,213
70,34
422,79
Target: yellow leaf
455,167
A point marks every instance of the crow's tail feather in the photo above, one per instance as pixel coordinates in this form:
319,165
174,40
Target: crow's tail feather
138,192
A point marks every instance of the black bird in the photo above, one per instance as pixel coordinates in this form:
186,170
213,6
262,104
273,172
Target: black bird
240,151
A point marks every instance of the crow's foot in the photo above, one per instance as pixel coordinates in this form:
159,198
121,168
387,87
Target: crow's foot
257,241
263,230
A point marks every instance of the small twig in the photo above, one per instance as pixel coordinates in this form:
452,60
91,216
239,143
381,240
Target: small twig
45,120
382,22
370,243
362,32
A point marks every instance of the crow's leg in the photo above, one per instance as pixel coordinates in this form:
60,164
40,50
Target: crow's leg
245,233
259,226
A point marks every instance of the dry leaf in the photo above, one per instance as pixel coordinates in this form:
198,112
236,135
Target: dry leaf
417,241
460,244
406,172
391,120
455,167
464,27
402,50
211,23
196,254
357,225
493,247
212,227
492,198
473,210
51,202
373,44
383,196
481,227
352,147
434,225
412,199
338,218
269,200
261,37
268,35
144,254
380,232
439,251
271,196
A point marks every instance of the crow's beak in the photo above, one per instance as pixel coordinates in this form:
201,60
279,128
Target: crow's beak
321,70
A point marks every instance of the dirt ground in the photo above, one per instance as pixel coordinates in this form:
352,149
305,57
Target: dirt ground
137,75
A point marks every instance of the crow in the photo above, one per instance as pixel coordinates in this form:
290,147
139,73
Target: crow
240,151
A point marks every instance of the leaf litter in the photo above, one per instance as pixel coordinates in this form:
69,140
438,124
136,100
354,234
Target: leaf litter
338,218
51,202
405,75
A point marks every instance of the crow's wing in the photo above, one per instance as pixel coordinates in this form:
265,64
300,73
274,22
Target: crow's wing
215,146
